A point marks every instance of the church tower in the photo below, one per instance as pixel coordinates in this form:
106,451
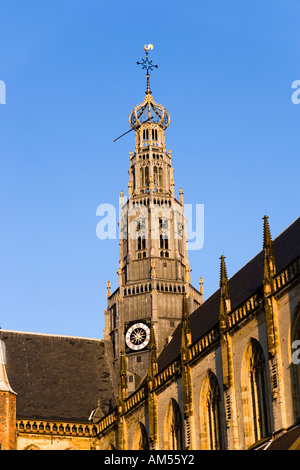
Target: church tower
154,268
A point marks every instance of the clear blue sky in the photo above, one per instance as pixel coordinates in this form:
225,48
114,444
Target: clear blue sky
225,74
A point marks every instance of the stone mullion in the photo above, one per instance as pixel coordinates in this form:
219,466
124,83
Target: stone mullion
229,389
275,364
188,406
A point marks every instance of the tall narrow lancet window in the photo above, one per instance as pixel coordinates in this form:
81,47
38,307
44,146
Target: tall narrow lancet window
164,233
141,246
158,176
155,175
144,176
213,415
133,178
140,439
154,134
141,238
173,427
254,394
164,241
210,414
295,363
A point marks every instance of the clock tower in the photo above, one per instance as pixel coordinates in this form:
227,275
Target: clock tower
154,268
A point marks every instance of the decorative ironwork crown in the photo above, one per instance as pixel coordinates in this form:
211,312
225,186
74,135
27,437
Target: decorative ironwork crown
149,110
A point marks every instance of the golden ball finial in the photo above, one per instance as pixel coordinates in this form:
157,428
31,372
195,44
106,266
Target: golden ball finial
147,48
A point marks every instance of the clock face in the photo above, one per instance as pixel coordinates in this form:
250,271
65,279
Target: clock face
137,336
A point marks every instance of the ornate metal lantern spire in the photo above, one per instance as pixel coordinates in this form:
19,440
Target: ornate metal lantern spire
149,110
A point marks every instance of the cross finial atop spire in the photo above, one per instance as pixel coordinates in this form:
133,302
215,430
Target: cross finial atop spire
147,64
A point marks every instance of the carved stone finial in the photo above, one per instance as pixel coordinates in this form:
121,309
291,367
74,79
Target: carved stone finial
108,289
181,196
201,286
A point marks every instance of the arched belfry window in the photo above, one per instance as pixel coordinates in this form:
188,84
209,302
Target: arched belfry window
164,241
210,414
144,176
141,237
157,175
173,431
295,363
141,246
154,134
145,134
140,439
255,394
164,236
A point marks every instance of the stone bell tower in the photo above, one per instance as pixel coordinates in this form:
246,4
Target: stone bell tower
154,268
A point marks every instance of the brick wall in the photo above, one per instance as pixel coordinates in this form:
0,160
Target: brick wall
7,421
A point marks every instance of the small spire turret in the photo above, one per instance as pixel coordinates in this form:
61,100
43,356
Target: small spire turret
122,379
223,277
153,366
181,196
121,198
186,337
108,289
225,304
201,290
269,259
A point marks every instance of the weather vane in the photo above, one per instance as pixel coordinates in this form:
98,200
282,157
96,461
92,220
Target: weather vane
147,64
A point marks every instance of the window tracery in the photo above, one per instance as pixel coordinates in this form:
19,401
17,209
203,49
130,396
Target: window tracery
295,365
254,389
210,412
173,427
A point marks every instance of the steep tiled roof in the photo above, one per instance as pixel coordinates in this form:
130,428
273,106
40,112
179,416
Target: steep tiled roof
289,440
57,377
241,286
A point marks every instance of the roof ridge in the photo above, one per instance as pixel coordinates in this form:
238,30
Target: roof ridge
49,334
